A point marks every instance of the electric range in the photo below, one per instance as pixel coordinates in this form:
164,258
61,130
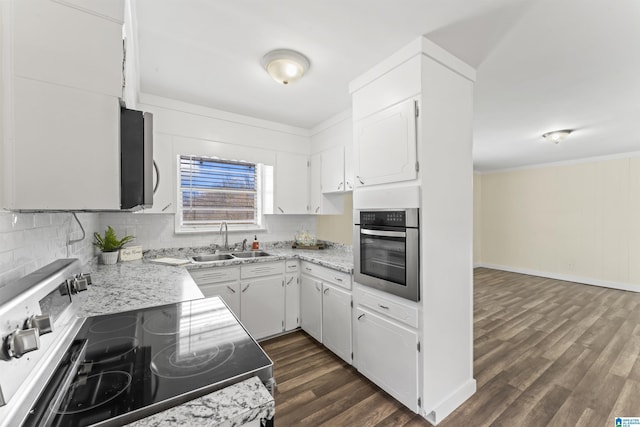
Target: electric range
116,368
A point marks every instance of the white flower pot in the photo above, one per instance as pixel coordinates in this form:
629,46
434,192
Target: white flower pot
109,257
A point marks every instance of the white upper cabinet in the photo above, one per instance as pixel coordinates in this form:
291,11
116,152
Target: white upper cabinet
62,76
321,203
349,173
332,170
385,146
292,184
66,45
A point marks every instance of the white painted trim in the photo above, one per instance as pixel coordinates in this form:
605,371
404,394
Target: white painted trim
631,287
451,402
331,121
593,159
423,46
89,11
199,110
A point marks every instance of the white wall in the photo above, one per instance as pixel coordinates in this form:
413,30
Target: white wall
29,241
477,218
575,221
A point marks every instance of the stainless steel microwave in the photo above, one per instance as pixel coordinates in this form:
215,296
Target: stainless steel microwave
136,159
386,249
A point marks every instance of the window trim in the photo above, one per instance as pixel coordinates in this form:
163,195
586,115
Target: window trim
261,175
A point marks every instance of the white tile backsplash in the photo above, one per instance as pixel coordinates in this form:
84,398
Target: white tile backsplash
156,231
29,241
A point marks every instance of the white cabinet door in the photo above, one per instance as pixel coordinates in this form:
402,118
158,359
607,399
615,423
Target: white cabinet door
70,138
69,46
292,184
387,354
349,173
315,184
262,306
292,301
385,146
336,321
228,291
165,175
332,170
311,306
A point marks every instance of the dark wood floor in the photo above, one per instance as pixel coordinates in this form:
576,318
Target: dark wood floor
547,353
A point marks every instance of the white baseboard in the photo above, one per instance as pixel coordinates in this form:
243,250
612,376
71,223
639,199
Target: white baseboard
450,403
632,287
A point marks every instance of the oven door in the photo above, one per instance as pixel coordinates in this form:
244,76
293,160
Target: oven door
387,259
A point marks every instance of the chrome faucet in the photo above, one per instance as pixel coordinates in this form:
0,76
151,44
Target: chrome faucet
244,245
226,234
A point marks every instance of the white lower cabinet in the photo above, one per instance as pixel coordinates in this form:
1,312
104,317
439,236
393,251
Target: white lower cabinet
228,291
311,306
262,306
325,307
386,351
336,321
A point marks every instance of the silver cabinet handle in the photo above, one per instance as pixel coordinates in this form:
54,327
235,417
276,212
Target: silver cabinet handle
361,316
307,268
340,185
232,290
360,179
166,207
318,288
246,287
325,291
350,185
280,209
317,209
383,306
337,279
290,279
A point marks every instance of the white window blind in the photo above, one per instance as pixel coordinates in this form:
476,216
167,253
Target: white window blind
214,190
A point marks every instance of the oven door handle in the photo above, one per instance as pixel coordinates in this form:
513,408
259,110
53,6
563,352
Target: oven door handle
383,233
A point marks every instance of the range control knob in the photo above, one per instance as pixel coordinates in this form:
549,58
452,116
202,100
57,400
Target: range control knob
22,341
40,322
86,276
80,283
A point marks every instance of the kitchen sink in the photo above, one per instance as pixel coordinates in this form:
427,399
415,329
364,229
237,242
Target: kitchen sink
211,257
250,254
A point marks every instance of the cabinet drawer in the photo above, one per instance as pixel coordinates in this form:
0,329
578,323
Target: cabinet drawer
335,277
261,269
291,266
402,313
215,275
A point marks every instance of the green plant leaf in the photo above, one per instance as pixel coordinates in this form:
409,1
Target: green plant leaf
110,242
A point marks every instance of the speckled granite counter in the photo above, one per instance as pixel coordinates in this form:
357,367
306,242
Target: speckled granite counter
235,405
338,257
135,284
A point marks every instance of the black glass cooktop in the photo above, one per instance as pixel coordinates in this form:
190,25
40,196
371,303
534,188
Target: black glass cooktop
136,363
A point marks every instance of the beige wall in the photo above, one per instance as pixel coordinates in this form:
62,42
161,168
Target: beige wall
337,228
580,221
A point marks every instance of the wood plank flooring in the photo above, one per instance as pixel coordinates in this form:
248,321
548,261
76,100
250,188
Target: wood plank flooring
546,353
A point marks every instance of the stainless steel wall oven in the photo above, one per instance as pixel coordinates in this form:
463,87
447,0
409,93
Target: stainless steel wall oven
386,247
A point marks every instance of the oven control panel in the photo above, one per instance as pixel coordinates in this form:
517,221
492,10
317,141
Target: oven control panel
383,218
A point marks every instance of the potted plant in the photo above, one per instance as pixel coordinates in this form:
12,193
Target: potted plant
110,245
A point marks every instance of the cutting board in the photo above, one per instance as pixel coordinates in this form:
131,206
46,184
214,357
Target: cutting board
171,261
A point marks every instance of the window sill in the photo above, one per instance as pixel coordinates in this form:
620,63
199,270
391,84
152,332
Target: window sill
217,230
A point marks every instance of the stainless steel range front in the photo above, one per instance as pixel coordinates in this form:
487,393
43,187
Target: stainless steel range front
117,368
386,251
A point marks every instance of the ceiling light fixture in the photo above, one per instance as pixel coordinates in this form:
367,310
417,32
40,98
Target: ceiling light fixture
285,66
557,135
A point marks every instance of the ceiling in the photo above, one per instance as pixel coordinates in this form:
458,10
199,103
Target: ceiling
541,65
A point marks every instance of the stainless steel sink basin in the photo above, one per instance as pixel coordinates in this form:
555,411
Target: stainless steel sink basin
250,254
211,257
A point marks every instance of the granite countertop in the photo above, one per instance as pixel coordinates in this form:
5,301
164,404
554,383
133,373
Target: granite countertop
235,405
338,257
133,285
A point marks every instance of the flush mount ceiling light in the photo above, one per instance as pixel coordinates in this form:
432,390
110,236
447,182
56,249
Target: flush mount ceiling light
285,66
557,135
